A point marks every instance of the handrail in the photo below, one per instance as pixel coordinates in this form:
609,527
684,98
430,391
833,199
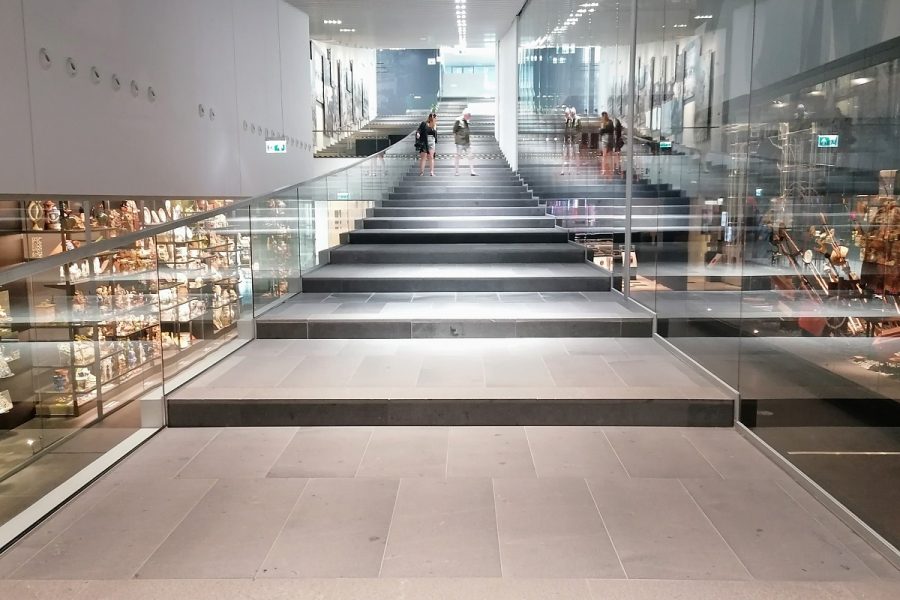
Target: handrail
34,267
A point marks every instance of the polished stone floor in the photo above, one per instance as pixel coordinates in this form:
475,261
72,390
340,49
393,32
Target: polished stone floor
437,512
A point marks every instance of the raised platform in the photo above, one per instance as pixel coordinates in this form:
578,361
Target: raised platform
560,381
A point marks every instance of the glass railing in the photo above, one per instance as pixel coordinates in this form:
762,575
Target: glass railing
93,338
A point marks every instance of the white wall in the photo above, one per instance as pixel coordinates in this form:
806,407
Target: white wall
16,163
507,122
247,60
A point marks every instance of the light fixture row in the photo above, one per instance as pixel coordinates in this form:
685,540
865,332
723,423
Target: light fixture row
461,26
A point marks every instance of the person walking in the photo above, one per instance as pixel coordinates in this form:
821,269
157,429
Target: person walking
463,141
426,142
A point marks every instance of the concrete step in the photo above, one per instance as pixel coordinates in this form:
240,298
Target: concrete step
509,277
544,221
470,202
466,186
483,235
474,193
457,253
464,211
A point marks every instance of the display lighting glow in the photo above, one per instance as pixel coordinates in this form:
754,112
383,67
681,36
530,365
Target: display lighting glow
333,22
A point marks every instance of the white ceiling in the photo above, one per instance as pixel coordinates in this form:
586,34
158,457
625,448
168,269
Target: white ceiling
407,23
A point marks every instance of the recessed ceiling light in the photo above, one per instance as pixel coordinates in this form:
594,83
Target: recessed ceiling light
346,30
333,21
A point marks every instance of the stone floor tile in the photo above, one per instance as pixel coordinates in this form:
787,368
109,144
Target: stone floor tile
321,371
551,528
581,371
443,528
395,452
121,531
228,534
240,453
42,590
387,371
209,589
489,452
338,529
658,452
772,535
731,455
516,371
460,588
323,452
451,371
165,454
659,532
573,452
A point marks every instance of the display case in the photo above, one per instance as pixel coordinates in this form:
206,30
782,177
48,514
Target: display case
94,330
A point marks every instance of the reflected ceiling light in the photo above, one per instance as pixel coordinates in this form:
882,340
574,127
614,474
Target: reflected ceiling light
679,26
861,80
590,5
345,30
817,93
333,21
702,17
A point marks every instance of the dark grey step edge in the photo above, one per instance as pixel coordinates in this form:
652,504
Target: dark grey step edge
498,284
405,329
464,411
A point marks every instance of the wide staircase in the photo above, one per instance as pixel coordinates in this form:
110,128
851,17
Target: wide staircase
458,233
456,300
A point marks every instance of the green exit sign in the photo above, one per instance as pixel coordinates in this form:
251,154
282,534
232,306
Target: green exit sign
343,195
829,141
276,146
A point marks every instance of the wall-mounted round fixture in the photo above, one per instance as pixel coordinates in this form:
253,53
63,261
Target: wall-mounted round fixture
151,94
267,132
253,129
212,114
245,125
71,67
44,58
95,75
259,129
201,110
135,88
115,82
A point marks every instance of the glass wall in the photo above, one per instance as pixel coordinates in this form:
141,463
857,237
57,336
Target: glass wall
94,335
764,224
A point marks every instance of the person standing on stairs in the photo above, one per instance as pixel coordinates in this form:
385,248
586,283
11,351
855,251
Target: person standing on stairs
426,142
463,140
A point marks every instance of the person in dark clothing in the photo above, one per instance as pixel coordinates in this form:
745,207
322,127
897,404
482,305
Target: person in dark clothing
607,140
426,142
620,143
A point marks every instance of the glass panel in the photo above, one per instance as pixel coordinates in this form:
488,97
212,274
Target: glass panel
206,288
275,248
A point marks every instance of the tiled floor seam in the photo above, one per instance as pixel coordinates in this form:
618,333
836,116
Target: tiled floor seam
497,525
363,455
618,458
197,453
612,542
281,529
387,538
172,529
716,529
60,532
702,455
829,528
